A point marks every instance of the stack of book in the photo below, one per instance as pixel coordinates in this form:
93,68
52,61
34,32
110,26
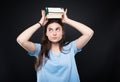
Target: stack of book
54,12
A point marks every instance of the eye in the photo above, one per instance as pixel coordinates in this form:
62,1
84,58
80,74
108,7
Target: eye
50,30
57,29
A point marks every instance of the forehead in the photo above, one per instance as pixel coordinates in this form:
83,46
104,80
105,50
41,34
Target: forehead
54,25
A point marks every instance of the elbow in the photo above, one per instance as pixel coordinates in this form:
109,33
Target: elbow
19,40
90,33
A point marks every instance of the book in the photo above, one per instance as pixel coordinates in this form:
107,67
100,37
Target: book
54,12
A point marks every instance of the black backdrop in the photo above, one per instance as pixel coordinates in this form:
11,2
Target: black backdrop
98,62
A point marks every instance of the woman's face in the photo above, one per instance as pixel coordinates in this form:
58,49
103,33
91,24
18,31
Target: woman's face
54,32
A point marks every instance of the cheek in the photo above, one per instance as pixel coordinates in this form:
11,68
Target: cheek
49,35
60,35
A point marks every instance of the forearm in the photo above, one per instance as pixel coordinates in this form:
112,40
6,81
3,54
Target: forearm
86,32
26,35
83,29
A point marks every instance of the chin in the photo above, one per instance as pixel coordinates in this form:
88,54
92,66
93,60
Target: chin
55,41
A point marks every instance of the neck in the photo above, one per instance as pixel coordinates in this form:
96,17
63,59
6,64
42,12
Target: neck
55,45
55,48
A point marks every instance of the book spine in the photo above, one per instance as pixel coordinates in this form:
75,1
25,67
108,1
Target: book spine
46,10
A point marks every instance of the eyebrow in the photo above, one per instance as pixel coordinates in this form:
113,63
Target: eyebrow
52,28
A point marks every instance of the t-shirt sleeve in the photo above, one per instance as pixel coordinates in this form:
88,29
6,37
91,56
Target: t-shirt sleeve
74,47
36,53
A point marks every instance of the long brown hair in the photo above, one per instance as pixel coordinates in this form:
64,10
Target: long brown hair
46,44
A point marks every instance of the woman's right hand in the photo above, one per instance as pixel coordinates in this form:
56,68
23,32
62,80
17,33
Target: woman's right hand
43,19
24,38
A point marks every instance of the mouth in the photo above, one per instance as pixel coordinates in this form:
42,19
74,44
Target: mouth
54,38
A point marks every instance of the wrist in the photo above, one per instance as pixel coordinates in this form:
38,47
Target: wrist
40,24
67,20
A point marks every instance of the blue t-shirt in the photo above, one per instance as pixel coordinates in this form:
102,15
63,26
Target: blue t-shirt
60,67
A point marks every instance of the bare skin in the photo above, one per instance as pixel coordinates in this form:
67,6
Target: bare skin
24,38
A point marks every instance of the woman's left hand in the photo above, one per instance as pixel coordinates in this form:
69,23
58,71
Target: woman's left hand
64,16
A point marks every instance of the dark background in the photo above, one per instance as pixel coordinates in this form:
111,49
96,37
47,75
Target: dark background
98,62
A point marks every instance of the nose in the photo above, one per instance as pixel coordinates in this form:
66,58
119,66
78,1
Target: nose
54,33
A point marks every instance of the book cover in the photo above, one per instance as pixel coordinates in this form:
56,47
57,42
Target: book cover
54,12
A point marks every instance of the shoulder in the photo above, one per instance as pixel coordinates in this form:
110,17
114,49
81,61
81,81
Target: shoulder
36,53
72,47
68,45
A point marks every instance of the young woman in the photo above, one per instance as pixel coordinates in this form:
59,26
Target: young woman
55,60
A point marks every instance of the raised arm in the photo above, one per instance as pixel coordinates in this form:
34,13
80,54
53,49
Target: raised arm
23,38
86,32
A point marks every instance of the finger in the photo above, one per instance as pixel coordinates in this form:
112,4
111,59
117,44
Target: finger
45,22
66,11
43,12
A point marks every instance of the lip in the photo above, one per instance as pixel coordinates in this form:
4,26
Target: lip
54,37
